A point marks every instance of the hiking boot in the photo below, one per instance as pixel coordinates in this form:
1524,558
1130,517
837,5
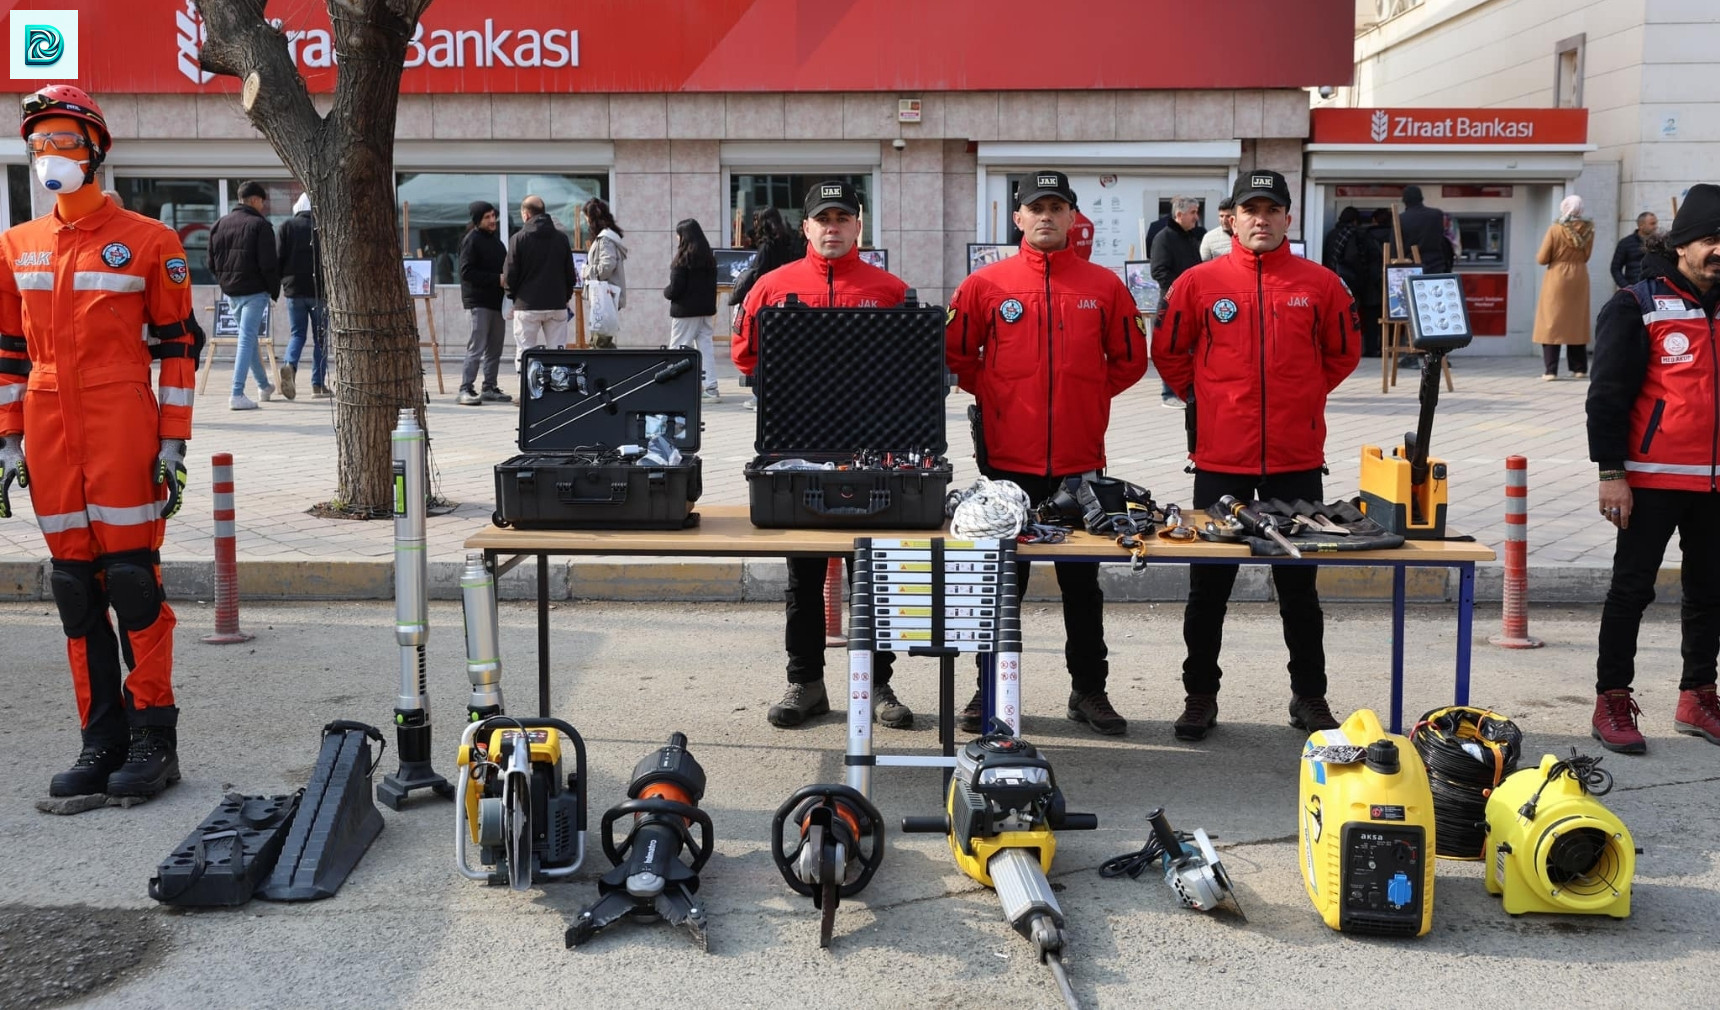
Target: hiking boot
889,711
1199,716
1311,714
1095,710
493,395
1614,722
240,401
151,764
800,703
88,775
967,720
289,381
321,393
1699,713
468,398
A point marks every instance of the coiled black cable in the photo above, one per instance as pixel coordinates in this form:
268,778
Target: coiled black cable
1587,771
1468,752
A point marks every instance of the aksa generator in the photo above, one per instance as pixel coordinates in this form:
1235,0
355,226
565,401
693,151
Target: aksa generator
1552,847
1366,839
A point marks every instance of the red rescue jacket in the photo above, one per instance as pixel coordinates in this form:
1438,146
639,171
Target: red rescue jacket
847,282
1044,341
1258,340
1675,412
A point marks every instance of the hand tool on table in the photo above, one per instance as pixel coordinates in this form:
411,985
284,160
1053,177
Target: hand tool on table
1257,524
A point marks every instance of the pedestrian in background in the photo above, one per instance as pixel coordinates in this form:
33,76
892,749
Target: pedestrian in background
776,247
1626,266
1562,317
300,253
1216,242
1423,228
483,257
539,274
243,257
1174,250
606,260
692,294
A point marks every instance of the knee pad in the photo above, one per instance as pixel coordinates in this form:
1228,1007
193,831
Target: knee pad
77,596
133,588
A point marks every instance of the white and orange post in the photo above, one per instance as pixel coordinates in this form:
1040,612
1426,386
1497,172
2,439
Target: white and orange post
226,556
833,579
1514,634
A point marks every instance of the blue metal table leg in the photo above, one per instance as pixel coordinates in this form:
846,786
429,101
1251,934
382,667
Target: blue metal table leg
1465,626
1397,648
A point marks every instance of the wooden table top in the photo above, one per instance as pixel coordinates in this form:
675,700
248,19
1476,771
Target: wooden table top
726,531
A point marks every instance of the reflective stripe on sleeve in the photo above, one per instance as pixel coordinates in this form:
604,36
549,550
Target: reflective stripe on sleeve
12,392
98,280
63,522
35,280
177,396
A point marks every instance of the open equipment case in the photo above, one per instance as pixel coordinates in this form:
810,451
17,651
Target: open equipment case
859,388
586,419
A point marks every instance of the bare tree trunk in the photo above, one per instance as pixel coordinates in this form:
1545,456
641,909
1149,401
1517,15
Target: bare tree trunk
346,163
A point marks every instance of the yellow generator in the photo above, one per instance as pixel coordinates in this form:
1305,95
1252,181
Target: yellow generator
1551,846
1366,840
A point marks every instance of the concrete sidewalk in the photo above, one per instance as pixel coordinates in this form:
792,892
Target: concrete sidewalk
285,463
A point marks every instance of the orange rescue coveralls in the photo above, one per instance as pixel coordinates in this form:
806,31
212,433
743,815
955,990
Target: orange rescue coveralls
74,381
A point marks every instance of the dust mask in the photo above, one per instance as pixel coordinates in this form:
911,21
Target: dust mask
59,175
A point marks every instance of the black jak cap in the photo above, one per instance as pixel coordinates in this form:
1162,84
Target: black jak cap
1045,183
831,193
1261,183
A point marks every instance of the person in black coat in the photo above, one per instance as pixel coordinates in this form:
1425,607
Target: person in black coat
692,294
300,253
1174,249
243,257
1424,228
483,257
539,274
1627,257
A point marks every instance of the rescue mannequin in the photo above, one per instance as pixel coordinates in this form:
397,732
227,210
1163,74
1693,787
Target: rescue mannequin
102,457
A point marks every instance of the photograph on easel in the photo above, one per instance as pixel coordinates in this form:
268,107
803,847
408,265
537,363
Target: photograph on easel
1396,306
420,278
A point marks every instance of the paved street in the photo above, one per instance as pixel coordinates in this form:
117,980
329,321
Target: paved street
285,463
407,931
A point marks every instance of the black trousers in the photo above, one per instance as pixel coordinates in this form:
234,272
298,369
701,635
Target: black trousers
1084,651
804,634
1636,561
1576,355
1209,589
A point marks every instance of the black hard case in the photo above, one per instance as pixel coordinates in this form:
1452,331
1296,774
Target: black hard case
551,487
831,381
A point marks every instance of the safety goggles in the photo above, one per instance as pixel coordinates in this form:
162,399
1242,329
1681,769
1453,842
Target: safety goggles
39,142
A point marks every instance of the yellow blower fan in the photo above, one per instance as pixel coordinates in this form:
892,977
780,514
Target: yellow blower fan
1552,847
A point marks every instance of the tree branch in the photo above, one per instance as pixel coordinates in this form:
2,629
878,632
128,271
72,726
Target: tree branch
240,42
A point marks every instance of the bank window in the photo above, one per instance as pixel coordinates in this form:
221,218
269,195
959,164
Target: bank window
1568,73
755,191
188,206
283,193
435,207
18,192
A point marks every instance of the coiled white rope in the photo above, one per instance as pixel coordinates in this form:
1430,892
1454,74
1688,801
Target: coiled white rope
990,509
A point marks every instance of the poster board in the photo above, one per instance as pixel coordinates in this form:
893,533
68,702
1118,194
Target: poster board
731,263
1397,308
1299,248
879,258
579,258
1138,278
982,254
420,278
227,323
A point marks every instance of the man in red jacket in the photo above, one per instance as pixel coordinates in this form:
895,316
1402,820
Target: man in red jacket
831,275
1652,429
1253,341
1044,340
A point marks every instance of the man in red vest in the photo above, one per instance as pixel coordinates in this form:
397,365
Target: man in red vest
1652,410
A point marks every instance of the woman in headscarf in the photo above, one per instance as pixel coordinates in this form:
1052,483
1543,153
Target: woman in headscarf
1562,317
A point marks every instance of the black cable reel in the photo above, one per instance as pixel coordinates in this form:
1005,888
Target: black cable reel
1468,753
839,845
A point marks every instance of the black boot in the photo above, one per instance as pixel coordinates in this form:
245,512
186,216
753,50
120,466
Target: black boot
151,764
89,774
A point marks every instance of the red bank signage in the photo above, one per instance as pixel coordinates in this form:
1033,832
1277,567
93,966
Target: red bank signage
1389,127
657,46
